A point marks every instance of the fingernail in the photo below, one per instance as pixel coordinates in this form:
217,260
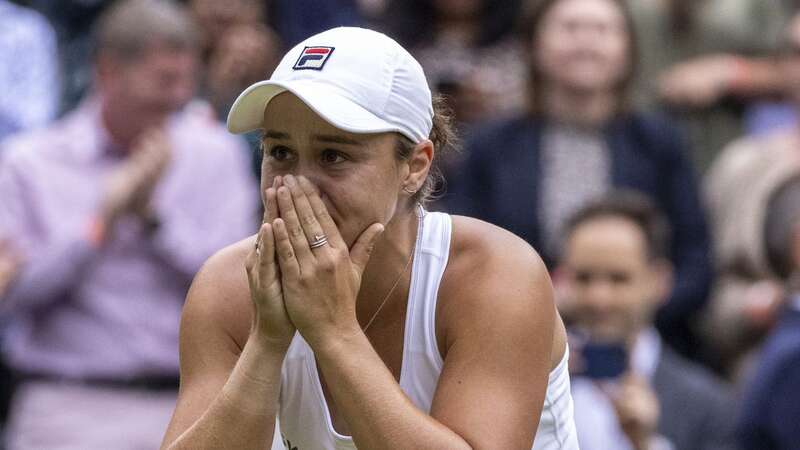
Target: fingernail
290,181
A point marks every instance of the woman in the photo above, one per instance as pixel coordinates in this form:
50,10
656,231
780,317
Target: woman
529,173
361,320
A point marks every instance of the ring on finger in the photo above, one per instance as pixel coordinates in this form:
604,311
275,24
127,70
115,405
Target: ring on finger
319,241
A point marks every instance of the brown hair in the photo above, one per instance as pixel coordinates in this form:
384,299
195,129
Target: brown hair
530,26
634,207
128,28
444,139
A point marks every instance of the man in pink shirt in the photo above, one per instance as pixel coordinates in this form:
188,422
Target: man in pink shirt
115,208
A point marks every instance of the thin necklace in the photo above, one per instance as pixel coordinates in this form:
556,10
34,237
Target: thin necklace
396,282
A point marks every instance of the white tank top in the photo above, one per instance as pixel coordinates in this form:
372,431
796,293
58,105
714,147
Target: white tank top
305,421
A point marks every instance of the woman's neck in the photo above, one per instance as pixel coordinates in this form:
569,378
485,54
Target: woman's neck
388,263
579,108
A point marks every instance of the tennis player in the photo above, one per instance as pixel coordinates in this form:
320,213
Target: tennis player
355,316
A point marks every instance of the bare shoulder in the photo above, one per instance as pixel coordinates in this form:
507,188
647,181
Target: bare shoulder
496,279
220,295
483,255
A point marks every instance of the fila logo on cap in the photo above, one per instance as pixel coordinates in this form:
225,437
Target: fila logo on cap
313,58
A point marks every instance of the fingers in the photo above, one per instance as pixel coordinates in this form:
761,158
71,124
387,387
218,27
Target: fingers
151,157
252,256
308,220
266,249
271,201
297,236
325,220
364,245
287,260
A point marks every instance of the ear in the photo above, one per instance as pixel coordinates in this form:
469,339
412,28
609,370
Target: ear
419,164
663,280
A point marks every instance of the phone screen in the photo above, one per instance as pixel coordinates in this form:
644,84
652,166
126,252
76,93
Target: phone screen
602,360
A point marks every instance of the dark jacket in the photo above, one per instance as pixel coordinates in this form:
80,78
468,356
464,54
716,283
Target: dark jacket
770,414
499,183
697,410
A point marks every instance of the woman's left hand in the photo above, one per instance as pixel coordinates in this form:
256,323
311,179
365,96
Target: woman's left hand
320,285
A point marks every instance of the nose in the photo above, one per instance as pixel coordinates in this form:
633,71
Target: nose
311,172
600,295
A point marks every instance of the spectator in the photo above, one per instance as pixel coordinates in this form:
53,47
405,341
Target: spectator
29,69
468,53
238,48
704,60
747,294
530,172
617,273
771,406
115,207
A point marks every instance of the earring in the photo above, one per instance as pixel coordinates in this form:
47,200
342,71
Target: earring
408,191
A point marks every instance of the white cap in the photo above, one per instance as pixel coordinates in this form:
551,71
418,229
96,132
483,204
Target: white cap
356,79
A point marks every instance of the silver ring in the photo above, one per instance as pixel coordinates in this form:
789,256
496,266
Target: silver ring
318,241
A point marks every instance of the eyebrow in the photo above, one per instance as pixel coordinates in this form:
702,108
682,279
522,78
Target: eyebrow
335,139
327,138
275,134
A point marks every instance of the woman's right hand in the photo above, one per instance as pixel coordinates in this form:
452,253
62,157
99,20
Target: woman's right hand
271,323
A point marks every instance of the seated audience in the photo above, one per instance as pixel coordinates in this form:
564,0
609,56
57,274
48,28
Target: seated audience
747,294
532,171
114,208
771,406
630,390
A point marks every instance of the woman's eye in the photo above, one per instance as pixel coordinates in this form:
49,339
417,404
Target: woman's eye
332,157
279,153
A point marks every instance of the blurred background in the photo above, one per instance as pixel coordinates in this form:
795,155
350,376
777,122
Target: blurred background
648,149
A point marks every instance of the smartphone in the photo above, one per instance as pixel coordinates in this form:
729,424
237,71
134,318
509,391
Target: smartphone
602,361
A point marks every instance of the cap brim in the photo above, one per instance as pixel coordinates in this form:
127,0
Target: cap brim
247,112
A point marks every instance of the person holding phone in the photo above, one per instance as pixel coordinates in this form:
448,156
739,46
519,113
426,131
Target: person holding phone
630,390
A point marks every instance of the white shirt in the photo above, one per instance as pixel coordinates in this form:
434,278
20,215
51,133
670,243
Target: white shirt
595,418
304,416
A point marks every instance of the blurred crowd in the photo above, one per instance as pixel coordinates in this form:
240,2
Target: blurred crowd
649,150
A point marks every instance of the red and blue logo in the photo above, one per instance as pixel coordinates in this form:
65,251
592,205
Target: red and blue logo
313,58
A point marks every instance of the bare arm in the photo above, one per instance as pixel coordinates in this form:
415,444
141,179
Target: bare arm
228,398
497,359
